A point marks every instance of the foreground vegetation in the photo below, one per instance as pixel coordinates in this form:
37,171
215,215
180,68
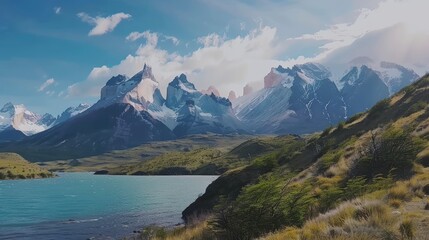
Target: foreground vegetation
368,178
13,166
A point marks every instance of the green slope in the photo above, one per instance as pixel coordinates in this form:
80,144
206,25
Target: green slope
130,160
362,158
13,166
206,161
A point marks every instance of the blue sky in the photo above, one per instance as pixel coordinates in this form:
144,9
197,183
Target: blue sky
49,60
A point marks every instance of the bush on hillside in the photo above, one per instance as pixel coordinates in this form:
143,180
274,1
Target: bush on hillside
378,108
391,152
264,207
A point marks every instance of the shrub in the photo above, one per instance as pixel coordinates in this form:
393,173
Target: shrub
355,187
378,108
340,126
260,208
2,176
391,152
329,197
407,229
395,203
420,105
354,118
266,163
326,132
400,192
328,160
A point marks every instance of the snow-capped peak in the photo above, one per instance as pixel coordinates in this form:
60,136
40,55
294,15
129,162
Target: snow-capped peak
396,76
210,90
180,90
71,112
181,82
19,118
138,91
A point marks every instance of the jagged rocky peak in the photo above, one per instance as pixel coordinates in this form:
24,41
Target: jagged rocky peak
279,75
232,96
116,80
363,88
221,100
47,120
138,91
308,73
71,112
247,90
179,91
314,70
396,76
210,90
356,75
21,119
181,82
145,73
8,108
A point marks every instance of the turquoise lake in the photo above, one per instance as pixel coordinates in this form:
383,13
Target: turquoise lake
83,205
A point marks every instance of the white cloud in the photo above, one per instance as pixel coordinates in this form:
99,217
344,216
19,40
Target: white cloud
228,64
211,40
103,25
387,14
57,10
173,39
151,37
46,84
391,31
242,26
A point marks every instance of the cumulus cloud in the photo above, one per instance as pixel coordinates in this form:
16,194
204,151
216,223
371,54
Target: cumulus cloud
227,64
46,84
391,31
103,25
57,10
173,39
404,16
151,37
211,40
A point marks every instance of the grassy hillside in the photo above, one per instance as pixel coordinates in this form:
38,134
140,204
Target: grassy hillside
129,160
205,161
367,178
13,166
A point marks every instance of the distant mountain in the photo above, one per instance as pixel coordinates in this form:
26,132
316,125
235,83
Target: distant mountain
117,126
303,99
120,119
210,90
71,112
198,112
16,122
300,99
362,89
396,76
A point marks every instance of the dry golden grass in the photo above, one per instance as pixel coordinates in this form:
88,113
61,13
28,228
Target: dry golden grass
399,213
405,121
400,192
198,232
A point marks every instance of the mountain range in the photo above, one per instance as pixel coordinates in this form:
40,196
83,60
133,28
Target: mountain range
131,111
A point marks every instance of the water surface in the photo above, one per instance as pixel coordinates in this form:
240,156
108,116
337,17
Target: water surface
83,205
